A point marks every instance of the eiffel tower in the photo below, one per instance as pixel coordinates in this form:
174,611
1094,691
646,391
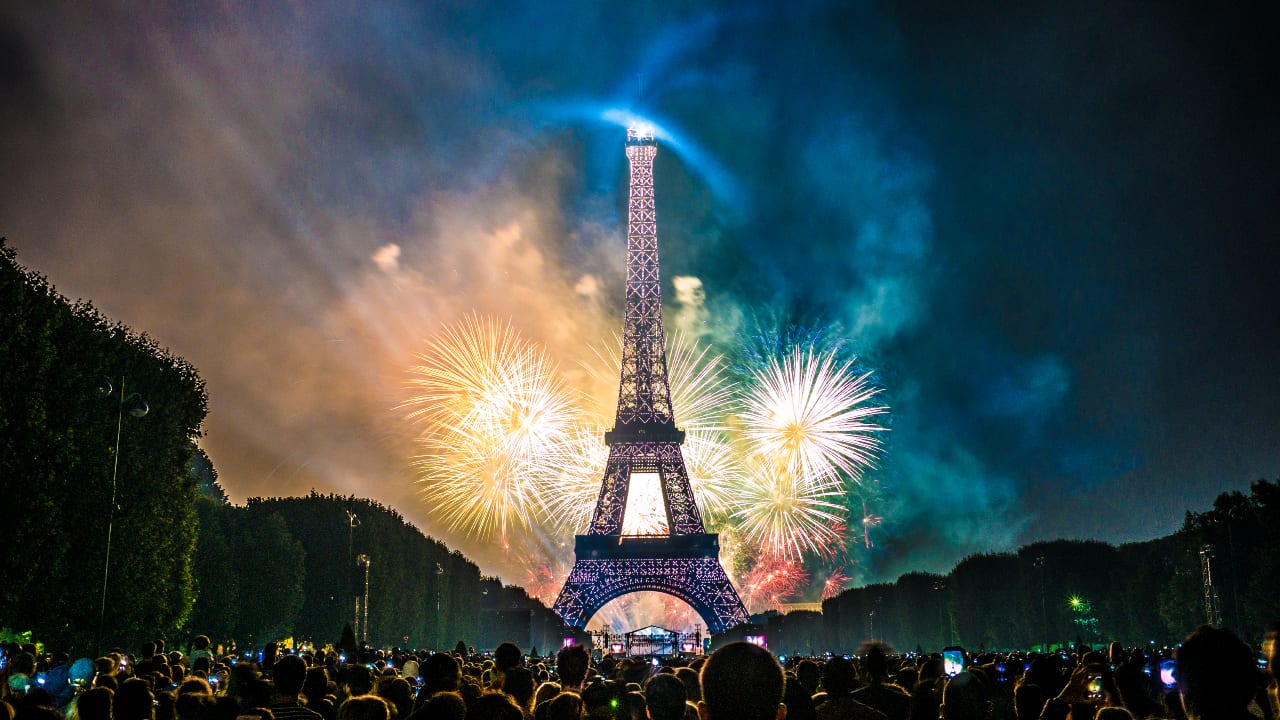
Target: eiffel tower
685,562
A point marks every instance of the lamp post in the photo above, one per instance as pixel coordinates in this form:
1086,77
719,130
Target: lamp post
353,522
137,408
439,618
363,561
1038,562
1232,514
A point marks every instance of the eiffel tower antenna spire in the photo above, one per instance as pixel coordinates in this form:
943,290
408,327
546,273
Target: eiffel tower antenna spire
644,394
684,562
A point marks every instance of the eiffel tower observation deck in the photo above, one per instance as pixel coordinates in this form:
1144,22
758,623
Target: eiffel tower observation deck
683,561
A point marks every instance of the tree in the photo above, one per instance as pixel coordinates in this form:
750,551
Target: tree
269,568
59,461
217,608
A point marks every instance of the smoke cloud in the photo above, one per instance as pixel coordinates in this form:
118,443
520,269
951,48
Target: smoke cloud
297,197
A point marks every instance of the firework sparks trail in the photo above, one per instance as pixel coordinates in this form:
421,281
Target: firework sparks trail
812,412
835,583
495,412
868,521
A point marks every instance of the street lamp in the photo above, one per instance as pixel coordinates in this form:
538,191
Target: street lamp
137,407
353,522
439,619
1038,562
363,561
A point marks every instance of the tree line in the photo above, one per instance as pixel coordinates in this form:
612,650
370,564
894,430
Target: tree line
288,568
1062,592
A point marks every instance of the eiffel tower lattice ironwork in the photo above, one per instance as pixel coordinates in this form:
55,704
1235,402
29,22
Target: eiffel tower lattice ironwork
684,562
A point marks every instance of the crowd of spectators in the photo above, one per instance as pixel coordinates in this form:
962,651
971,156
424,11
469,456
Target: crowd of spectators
1211,675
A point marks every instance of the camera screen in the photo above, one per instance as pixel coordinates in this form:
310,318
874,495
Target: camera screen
953,661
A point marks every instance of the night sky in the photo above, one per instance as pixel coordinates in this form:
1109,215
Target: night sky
1050,228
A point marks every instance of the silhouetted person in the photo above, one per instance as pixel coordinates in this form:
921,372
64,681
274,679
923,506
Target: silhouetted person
518,683
196,706
1216,675
965,697
839,681
741,682
396,690
666,697
565,706
444,706
891,700
692,683
95,704
365,707
316,692
440,673
1028,701
290,674
133,701
798,699
505,656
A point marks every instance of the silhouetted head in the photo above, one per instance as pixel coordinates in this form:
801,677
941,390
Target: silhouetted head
741,681
1216,673
966,697
289,674
572,664
506,656
838,677
666,697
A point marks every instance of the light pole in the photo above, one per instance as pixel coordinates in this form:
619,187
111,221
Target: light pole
1232,514
363,561
137,408
1038,562
439,619
353,522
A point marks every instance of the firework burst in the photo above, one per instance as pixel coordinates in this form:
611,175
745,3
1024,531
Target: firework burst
813,414
771,583
786,516
715,472
835,583
495,415
869,520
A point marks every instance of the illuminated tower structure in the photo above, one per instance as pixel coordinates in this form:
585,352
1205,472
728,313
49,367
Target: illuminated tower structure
684,560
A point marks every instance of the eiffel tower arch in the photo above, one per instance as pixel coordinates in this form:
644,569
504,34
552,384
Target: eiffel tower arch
685,561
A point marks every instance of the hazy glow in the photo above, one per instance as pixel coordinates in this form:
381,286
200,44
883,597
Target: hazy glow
640,609
645,514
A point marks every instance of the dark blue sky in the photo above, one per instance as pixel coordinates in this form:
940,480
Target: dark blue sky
1051,229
